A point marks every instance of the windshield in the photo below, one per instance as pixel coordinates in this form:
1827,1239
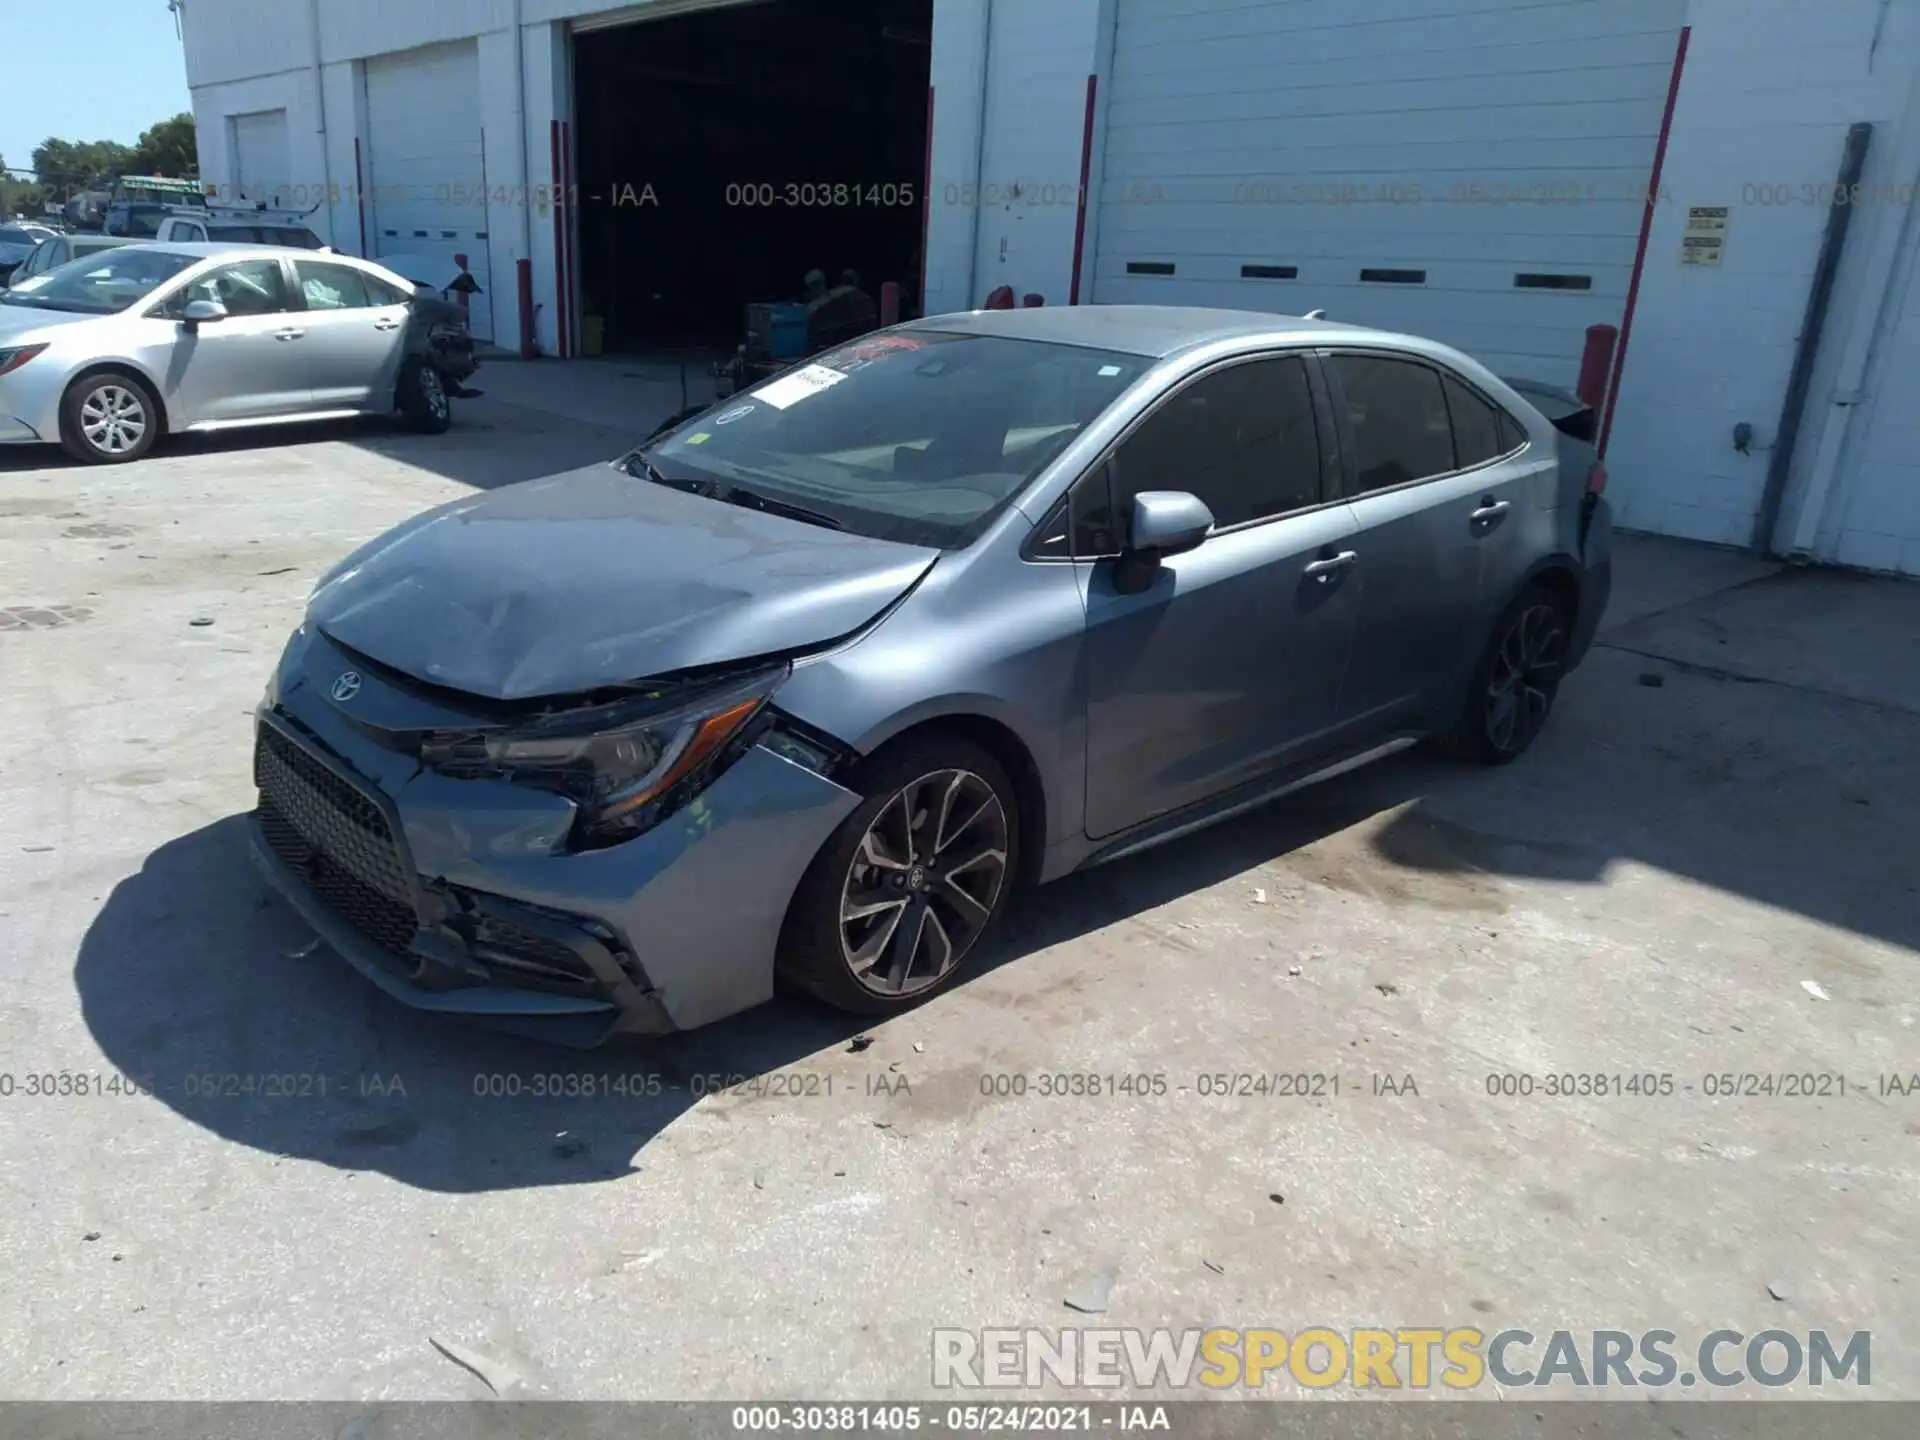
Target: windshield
293,235
921,436
104,282
20,235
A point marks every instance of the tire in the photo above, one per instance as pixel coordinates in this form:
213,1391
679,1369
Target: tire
109,419
846,939
1515,683
422,397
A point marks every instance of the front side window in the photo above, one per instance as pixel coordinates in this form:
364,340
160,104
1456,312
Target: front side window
920,435
1401,429
331,287
104,282
1243,439
247,287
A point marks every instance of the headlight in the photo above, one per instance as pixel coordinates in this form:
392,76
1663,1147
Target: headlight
624,764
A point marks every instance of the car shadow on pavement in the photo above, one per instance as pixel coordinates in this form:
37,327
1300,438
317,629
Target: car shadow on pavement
491,444
198,983
201,986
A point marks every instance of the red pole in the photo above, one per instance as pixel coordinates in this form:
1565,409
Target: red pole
360,197
1646,229
524,276
1595,363
559,250
926,209
1086,173
890,303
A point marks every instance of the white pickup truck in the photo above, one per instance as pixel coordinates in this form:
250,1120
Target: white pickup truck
247,227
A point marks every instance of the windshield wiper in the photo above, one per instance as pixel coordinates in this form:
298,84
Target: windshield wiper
752,500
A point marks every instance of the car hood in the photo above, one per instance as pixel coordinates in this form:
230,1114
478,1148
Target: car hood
595,578
17,322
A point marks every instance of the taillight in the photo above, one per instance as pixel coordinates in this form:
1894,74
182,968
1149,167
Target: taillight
13,359
1596,478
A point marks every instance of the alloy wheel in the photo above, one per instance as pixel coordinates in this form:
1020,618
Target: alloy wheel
114,419
1526,672
923,882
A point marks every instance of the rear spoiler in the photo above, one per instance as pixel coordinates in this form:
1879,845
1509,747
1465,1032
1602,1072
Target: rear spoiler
1569,414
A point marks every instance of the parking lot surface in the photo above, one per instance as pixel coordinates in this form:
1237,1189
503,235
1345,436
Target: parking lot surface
1706,868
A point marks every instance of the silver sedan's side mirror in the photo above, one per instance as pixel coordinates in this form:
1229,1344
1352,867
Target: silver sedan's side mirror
1167,522
199,312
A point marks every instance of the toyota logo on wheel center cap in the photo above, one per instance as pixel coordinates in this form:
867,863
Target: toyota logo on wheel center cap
346,686
917,878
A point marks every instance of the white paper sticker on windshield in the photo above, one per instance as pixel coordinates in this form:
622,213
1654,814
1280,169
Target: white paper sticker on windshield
792,389
1109,370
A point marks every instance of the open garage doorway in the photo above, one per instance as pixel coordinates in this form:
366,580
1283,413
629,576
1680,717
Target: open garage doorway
722,155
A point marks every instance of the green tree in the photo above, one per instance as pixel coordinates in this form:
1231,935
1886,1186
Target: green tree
168,148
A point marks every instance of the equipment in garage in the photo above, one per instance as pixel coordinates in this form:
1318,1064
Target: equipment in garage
721,152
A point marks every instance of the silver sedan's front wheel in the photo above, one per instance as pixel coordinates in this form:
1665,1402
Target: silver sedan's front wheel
912,881
108,419
923,882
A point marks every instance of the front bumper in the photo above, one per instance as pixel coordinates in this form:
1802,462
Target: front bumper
458,896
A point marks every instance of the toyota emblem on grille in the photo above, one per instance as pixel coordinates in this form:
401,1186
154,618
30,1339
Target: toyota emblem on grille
346,686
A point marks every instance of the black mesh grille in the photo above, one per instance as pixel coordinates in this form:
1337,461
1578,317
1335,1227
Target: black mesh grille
517,950
336,839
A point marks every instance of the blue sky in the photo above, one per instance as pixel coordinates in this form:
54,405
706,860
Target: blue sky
97,70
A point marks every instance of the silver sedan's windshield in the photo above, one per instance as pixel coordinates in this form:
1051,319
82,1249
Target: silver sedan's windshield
918,435
104,282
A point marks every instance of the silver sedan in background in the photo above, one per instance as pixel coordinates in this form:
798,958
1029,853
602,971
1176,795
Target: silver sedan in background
110,351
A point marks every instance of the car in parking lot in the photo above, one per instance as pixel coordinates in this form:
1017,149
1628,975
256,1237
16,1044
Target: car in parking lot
17,242
55,251
807,685
115,348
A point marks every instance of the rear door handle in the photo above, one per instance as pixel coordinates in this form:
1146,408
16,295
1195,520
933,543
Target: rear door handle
1326,568
288,334
1491,509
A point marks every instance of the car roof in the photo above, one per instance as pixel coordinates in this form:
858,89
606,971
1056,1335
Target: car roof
1151,330
234,249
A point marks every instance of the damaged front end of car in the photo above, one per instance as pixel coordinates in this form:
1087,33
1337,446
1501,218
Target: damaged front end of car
579,868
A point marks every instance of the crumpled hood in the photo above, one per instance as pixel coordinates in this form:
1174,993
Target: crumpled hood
594,578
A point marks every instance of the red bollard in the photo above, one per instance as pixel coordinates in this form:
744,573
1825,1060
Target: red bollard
890,303
1031,301
524,277
1596,364
1000,299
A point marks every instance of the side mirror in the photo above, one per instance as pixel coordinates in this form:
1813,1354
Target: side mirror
200,312
1167,522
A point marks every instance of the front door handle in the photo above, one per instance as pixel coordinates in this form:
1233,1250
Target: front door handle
1491,509
288,334
1326,568
386,324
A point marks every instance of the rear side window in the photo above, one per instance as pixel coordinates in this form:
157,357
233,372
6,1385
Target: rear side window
1476,426
331,287
1401,429
1512,434
1242,439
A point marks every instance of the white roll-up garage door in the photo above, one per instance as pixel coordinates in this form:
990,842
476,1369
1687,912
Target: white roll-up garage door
261,172
1472,170
426,181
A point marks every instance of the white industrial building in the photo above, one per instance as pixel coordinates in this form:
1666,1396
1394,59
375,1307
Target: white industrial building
1474,170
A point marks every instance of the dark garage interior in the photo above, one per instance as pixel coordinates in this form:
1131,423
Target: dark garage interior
710,151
